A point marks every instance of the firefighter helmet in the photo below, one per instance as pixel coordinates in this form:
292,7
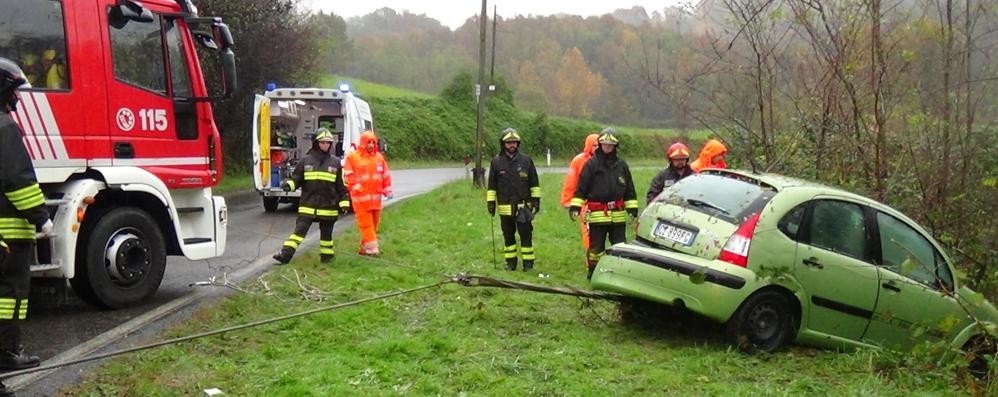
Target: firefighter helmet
608,136
11,79
678,151
510,135
11,76
323,135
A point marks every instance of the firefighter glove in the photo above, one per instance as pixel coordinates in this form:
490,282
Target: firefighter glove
492,208
344,210
285,186
632,212
535,206
573,212
46,228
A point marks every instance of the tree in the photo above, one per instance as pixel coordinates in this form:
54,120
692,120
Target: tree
274,42
576,87
334,47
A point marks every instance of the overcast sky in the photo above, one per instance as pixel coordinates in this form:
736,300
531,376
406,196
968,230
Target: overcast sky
453,13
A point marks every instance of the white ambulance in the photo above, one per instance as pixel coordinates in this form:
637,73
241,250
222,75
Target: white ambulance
284,124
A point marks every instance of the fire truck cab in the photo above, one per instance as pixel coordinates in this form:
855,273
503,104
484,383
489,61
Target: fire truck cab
120,130
284,125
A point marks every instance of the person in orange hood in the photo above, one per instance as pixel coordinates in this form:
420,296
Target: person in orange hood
572,181
711,156
366,174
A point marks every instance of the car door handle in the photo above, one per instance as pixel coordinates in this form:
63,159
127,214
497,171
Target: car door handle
890,285
124,150
813,262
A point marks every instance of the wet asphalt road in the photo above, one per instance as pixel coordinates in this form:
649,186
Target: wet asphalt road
59,322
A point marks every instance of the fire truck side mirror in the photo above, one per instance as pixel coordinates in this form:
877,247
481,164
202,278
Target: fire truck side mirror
220,40
228,59
126,11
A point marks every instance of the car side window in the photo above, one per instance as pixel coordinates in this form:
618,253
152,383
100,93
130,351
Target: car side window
905,251
790,223
838,226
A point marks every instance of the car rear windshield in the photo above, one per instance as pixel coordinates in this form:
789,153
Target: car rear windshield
730,197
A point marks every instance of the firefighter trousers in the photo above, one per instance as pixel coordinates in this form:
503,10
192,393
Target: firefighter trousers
510,227
301,229
367,222
15,279
598,233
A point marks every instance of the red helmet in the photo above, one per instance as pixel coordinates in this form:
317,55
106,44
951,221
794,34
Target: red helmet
678,151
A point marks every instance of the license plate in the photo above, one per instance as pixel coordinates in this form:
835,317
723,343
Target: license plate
674,233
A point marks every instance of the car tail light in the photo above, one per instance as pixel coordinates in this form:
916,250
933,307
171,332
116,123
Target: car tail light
735,251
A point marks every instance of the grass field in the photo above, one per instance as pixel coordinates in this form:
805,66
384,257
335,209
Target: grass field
461,341
369,89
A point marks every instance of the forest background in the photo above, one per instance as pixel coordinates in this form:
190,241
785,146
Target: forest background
894,99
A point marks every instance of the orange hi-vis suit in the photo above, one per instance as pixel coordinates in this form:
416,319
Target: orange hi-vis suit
368,179
572,181
712,148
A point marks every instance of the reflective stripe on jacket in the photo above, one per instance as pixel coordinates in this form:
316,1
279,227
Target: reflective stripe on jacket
22,204
606,179
367,175
321,181
512,180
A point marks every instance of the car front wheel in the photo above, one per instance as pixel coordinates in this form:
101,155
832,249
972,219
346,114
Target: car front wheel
763,323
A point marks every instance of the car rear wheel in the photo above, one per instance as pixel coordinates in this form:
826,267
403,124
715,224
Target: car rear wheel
763,323
270,203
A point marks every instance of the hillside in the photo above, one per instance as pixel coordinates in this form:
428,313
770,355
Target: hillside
418,126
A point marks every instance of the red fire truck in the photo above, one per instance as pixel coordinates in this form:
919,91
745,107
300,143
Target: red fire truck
120,130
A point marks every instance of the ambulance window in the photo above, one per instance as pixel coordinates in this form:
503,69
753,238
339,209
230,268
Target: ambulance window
33,34
137,52
178,61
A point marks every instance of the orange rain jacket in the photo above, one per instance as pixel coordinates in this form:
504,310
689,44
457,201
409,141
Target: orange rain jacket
575,167
712,148
366,175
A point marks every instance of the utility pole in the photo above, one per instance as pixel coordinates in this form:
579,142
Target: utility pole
479,173
492,73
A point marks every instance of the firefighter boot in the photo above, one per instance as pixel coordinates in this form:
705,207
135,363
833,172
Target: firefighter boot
510,263
15,359
326,258
528,266
284,256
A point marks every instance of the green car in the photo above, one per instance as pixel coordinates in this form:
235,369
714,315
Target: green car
778,259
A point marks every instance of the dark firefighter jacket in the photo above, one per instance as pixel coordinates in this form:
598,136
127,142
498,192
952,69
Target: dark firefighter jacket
322,189
606,182
512,180
666,178
22,205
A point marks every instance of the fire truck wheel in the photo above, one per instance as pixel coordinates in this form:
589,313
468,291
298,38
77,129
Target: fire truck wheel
122,261
270,203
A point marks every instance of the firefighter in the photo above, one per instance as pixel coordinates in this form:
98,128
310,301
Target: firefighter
679,157
31,68
22,209
516,191
53,70
572,181
606,189
322,191
711,156
366,173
